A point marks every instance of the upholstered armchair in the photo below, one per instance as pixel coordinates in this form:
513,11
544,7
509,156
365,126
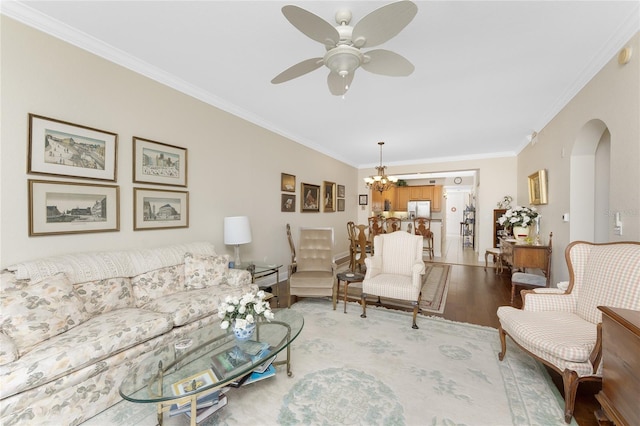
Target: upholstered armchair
312,270
562,329
395,270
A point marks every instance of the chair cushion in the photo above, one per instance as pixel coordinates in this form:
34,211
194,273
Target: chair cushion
532,280
317,279
40,311
393,286
563,335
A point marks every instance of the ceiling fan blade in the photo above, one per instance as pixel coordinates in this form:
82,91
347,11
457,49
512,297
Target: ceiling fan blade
297,70
384,23
339,85
386,62
311,25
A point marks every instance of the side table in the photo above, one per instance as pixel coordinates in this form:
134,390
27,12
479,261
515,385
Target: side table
261,270
347,277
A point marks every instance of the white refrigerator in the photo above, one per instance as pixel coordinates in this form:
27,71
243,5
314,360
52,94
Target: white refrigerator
419,208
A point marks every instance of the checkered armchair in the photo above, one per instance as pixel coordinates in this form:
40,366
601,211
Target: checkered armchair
562,329
395,270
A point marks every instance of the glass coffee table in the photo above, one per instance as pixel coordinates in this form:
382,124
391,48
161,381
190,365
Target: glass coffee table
180,365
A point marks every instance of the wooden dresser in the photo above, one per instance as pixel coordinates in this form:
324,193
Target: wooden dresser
620,394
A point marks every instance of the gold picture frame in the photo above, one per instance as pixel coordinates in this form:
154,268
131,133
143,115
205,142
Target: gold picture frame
287,182
538,187
160,209
329,196
309,198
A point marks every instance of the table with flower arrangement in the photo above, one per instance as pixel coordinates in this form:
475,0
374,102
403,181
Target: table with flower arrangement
154,379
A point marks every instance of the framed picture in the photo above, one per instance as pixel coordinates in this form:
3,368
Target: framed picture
287,182
159,163
160,209
538,187
192,383
288,203
57,208
363,199
310,198
329,196
65,149
340,204
340,191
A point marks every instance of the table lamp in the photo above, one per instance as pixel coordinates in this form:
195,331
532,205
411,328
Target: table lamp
237,230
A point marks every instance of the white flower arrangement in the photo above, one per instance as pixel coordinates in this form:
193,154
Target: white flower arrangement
244,311
518,216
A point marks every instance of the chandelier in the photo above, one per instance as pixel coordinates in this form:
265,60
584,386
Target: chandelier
380,182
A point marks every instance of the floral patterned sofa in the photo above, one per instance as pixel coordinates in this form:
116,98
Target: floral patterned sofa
72,326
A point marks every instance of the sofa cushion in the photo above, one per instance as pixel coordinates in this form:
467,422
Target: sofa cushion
40,311
8,349
202,271
102,296
98,338
157,283
188,306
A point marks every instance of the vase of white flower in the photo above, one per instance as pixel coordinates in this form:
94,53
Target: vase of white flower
241,314
517,218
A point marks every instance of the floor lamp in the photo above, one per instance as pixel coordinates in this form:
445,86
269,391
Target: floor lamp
237,230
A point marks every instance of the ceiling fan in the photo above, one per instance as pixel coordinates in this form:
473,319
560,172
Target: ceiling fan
343,43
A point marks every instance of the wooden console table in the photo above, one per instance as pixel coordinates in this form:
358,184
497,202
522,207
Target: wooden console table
621,365
523,256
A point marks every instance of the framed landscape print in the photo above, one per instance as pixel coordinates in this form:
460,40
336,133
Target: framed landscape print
288,203
329,196
159,163
160,209
340,204
310,198
341,191
57,208
287,182
538,187
65,149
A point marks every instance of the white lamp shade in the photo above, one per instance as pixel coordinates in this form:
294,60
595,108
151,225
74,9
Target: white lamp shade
237,230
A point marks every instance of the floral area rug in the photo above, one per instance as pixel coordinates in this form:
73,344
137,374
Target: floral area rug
379,371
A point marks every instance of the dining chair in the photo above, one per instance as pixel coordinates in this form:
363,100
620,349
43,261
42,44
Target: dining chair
362,246
392,224
352,236
422,226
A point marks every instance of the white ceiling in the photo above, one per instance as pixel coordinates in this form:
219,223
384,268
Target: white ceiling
488,73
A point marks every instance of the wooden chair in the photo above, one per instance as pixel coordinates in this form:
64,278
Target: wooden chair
312,272
392,224
531,257
352,236
376,226
361,247
422,226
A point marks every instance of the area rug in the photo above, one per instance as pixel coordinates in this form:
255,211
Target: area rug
435,283
379,371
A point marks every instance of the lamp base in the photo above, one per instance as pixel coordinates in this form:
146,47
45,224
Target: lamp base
236,258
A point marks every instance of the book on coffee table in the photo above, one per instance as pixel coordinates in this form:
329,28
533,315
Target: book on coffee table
256,377
203,413
204,378
202,402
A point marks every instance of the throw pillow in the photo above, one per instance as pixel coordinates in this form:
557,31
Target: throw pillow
202,271
42,310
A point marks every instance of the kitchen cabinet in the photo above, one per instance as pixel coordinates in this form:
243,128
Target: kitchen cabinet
403,195
399,196
436,201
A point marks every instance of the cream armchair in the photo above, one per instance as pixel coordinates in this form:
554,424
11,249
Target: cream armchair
312,272
562,329
395,270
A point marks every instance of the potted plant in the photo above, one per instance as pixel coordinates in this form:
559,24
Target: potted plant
519,219
241,314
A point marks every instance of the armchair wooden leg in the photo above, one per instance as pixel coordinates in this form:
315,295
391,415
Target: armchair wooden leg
415,315
570,382
363,301
513,292
503,343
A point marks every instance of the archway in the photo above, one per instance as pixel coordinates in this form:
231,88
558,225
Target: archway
589,183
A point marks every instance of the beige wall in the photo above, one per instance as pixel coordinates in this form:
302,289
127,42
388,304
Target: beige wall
234,166
613,98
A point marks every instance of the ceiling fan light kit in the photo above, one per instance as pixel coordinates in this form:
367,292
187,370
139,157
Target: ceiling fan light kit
343,44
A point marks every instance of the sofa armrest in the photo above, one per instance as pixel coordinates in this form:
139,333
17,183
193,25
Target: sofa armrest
547,301
8,349
238,277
